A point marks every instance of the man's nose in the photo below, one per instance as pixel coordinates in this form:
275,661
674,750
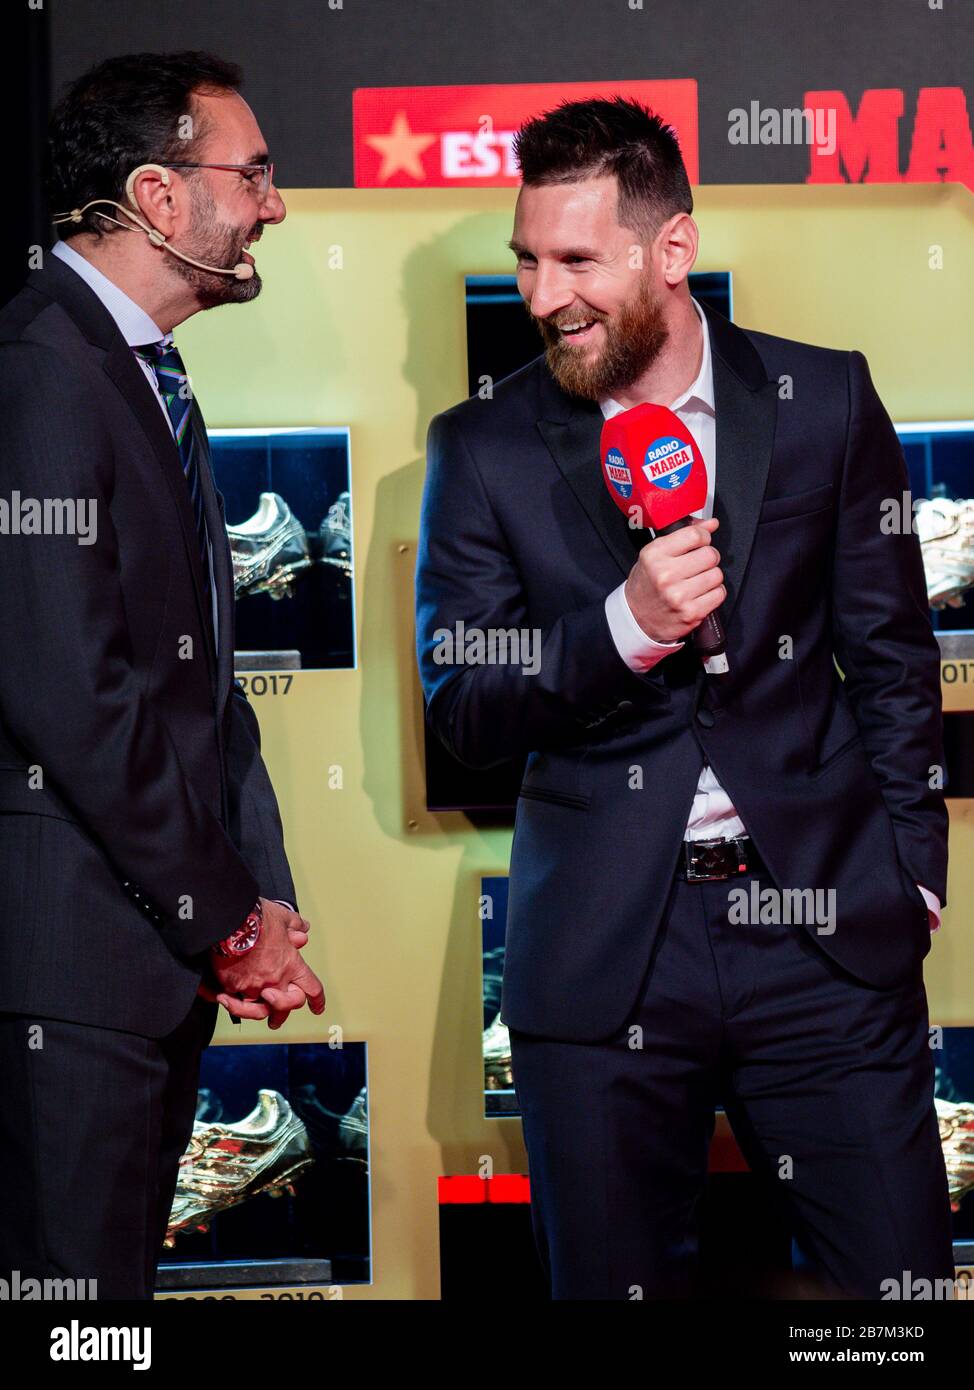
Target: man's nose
550,291
273,209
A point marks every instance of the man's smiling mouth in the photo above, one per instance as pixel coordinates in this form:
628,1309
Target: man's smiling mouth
578,332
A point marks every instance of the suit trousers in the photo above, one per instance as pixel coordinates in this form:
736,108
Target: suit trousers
92,1126
828,1085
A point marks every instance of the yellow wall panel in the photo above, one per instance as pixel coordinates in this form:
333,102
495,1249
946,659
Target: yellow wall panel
361,323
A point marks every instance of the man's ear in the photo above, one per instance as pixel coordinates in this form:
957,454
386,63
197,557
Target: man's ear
148,190
678,241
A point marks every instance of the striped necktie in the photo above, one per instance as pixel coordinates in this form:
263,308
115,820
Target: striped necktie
174,387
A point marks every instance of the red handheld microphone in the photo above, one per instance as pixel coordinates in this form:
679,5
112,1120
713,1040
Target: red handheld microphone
652,465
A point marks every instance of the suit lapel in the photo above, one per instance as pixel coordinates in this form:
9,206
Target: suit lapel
222,564
574,445
745,405
59,282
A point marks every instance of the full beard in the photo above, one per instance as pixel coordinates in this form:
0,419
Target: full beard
218,245
634,338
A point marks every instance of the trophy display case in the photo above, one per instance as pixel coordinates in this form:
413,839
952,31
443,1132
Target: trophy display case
274,1186
288,511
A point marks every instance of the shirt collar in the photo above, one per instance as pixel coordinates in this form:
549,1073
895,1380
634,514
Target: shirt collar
134,324
699,395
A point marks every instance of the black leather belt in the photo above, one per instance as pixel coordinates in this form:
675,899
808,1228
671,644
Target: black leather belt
702,861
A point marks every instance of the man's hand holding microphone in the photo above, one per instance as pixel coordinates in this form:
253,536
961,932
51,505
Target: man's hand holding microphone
676,582
657,477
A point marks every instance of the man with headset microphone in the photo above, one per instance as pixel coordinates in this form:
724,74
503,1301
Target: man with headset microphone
143,875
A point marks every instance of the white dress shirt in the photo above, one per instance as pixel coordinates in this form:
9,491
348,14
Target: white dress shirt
712,815
138,329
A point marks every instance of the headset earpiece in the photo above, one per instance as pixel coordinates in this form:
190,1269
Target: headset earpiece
144,169
243,270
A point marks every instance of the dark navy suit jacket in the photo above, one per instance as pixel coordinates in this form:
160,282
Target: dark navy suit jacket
110,685
831,774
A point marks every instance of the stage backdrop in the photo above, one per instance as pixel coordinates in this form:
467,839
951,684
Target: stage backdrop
361,323
892,71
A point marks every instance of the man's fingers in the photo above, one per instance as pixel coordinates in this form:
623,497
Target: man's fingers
314,990
687,538
698,585
293,920
243,1008
277,1002
685,566
304,987
283,1000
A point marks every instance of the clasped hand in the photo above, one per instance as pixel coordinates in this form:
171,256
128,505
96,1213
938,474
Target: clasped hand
271,979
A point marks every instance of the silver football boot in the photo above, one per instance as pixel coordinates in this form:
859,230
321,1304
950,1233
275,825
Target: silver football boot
336,534
946,531
343,1137
268,549
498,1075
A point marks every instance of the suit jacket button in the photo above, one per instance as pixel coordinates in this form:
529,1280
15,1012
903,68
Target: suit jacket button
706,717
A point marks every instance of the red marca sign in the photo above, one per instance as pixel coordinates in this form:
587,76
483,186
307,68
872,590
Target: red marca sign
447,137
866,147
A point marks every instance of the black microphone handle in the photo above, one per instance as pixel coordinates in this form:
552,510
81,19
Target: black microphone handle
708,637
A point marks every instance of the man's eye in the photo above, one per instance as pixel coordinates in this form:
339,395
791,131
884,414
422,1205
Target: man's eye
253,175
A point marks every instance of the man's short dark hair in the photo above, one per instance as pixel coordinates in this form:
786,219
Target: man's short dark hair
125,112
592,139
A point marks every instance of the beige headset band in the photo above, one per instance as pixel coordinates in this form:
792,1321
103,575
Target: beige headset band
144,169
133,212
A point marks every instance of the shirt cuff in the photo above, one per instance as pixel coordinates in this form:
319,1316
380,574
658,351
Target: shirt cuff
933,904
639,652
281,903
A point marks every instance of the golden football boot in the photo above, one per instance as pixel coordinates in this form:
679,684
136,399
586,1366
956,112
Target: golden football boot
956,1121
226,1164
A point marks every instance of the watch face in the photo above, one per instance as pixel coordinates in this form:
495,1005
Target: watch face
246,937
243,938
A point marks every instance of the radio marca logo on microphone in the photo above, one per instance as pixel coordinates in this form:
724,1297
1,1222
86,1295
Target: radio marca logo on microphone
668,462
617,472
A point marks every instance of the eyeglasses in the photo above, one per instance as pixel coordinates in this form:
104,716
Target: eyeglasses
260,176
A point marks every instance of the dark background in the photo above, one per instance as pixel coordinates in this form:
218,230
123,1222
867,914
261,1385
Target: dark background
303,59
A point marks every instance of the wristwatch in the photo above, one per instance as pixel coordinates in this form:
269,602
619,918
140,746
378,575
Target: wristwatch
245,938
